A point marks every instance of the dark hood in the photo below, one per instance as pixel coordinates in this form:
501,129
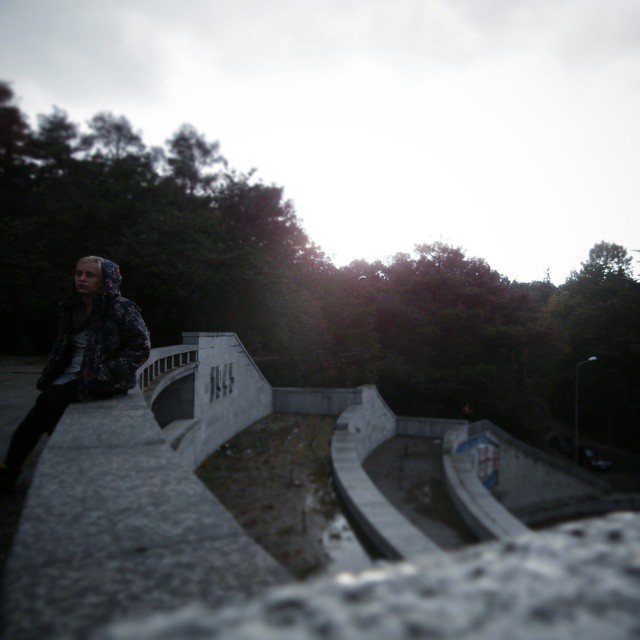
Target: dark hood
111,277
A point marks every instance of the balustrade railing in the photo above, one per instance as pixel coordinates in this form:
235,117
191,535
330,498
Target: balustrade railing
164,359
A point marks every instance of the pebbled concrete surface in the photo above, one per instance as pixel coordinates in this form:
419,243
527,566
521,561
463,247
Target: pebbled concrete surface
116,525
578,581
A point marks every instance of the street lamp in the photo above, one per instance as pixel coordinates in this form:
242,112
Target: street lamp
575,438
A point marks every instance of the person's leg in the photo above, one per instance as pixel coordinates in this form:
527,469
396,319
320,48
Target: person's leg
43,418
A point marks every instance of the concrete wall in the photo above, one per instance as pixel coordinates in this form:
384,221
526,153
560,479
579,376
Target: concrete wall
361,428
426,427
484,515
371,422
530,482
364,411
230,393
530,479
321,402
115,525
386,529
364,422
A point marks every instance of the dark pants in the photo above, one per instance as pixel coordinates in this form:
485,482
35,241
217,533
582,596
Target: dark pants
43,418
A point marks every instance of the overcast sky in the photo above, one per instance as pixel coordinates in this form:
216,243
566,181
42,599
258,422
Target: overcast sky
509,128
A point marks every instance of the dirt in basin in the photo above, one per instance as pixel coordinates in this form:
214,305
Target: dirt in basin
275,479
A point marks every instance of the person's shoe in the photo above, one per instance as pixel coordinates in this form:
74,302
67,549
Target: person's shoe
8,478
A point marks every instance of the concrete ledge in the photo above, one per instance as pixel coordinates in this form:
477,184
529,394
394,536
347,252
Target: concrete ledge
176,431
187,437
389,532
114,525
364,421
486,517
578,581
349,418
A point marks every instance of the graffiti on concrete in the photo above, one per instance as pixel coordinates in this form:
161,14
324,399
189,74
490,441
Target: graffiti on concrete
484,453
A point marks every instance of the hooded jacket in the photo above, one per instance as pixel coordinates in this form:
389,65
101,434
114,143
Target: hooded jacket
117,341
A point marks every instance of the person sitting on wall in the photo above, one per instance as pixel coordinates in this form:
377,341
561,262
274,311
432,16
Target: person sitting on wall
101,341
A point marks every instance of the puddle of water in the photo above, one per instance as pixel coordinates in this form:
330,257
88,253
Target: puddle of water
343,548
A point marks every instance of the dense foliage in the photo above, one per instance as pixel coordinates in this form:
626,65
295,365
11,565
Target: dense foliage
204,248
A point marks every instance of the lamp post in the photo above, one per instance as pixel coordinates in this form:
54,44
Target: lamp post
577,425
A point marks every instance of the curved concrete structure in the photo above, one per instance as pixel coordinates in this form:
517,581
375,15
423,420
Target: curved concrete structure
386,529
531,484
486,517
116,525
115,522
364,422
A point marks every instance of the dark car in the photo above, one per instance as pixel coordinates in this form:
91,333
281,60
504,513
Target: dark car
592,458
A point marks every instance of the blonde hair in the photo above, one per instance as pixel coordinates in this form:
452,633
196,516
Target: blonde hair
97,259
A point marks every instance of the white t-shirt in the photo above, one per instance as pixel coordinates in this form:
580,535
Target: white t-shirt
79,341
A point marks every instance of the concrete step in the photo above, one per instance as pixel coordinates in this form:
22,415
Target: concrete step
175,431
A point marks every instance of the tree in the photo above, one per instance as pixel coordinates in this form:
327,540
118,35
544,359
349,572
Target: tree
608,259
192,160
15,134
56,141
258,218
112,138
452,329
204,248
597,312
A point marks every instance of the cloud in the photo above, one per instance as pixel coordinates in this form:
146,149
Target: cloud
131,49
577,28
77,50
416,120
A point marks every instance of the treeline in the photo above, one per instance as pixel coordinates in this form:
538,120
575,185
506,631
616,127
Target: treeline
205,248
